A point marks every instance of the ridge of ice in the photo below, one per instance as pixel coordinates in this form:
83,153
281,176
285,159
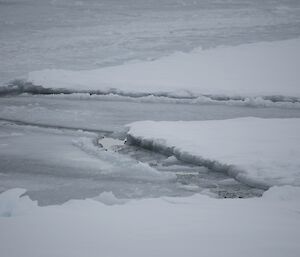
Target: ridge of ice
258,69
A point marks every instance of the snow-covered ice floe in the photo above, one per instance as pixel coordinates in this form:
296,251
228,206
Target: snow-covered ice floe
258,152
191,226
253,74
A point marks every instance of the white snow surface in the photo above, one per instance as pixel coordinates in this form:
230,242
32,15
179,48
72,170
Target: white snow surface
266,68
191,226
258,152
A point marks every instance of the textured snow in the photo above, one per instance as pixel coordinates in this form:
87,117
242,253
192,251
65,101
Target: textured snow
257,69
191,226
259,152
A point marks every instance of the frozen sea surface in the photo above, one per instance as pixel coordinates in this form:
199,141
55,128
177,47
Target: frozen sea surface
259,152
78,35
100,115
55,166
49,145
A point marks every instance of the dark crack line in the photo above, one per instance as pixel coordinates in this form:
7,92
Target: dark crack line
49,126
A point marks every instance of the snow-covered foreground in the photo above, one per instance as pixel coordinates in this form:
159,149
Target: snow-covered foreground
258,152
260,69
192,226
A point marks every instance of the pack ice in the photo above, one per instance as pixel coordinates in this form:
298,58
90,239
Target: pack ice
258,152
258,69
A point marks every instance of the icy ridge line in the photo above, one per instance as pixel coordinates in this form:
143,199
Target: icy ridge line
230,170
17,87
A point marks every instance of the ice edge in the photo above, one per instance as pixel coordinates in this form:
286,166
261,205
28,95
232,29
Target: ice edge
17,87
231,170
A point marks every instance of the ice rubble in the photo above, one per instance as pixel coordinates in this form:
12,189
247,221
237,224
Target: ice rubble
117,165
240,73
191,226
258,152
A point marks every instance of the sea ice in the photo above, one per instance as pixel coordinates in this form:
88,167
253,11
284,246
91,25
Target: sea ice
258,152
251,70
